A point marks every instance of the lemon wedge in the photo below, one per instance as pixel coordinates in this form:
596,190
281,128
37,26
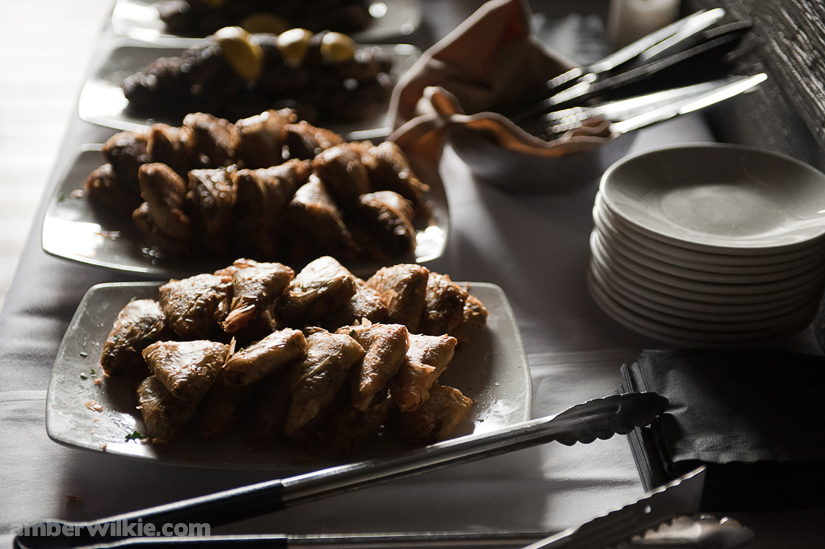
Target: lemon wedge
293,45
244,56
337,47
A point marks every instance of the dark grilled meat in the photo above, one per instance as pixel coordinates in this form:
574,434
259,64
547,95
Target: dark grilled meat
340,170
314,212
212,140
264,194
127,152
389,218
164,192
104,189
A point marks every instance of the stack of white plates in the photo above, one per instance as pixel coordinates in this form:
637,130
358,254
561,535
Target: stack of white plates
710,244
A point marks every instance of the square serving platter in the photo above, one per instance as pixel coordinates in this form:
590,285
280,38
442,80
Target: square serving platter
74,230
102,100
493,370
391,19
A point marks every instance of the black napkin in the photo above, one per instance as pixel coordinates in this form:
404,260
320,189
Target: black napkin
755,418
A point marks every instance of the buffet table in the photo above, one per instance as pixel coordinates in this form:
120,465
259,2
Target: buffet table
535,247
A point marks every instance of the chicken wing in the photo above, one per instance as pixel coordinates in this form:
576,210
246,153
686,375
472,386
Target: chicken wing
172,146
274,352
315,380
187,368
127,152
304,141
164,415
403,288
213,194
103,188
139,324
427,358
195,305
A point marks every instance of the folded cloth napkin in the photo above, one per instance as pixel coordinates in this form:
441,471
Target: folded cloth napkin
490,58
755,418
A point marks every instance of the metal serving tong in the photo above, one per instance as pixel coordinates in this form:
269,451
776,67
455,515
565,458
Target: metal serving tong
637,112
601,418
645,50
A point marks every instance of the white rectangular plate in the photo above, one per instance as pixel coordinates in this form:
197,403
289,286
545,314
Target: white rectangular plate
73,230
139,19
493,370
102,101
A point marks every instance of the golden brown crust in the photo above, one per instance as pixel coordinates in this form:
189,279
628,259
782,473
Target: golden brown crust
437,417
473,321
426,359
403,288
195,305
386,346
164,415
315,380
443,305
186,368
269,355
139,324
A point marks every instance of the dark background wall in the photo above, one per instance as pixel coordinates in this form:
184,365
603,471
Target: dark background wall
787,113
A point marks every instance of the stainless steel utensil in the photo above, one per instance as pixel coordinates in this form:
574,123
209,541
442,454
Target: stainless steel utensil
704,61
601,418
655,45
637,112
630,526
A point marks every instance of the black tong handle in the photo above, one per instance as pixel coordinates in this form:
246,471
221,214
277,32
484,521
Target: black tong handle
601,418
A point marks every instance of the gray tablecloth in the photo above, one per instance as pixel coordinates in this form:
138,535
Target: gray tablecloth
534,247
